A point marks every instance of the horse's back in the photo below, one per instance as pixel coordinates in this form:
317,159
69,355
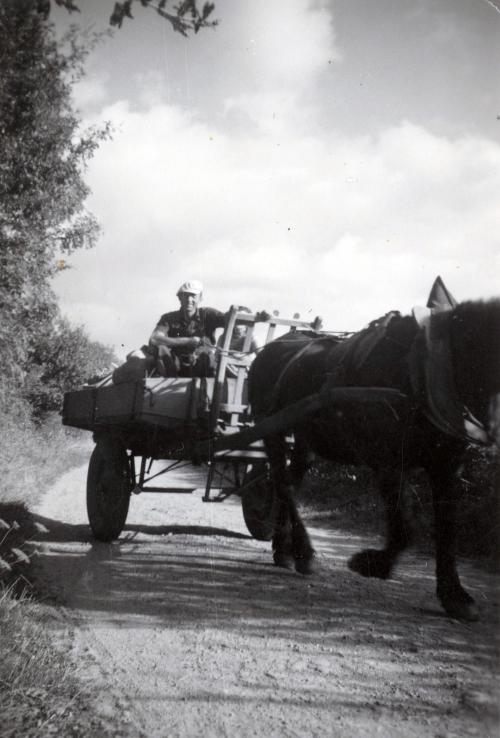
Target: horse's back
297,358
297,365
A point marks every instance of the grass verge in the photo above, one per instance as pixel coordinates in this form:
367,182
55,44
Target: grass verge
42,692
33,457
43,689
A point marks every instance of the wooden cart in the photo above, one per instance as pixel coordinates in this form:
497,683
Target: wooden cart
180,422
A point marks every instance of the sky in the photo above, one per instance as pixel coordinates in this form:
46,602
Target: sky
320,157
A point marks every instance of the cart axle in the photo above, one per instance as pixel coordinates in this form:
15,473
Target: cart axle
169,490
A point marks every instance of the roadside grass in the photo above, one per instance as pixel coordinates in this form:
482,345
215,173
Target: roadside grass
346,497
32,458
42,689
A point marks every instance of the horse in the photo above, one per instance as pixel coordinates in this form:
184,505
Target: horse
442,380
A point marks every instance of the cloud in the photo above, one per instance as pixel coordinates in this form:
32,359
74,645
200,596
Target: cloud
346,227
306,42
90,93
283,50
270,209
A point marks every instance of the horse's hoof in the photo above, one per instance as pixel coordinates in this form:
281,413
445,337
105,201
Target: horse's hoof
283,560
371,563
304,566
466,611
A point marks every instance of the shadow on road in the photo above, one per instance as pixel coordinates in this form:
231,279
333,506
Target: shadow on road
191,573
214,584
59,531
194,530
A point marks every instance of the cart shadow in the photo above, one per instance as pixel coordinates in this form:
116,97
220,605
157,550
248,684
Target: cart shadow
195,530
57,531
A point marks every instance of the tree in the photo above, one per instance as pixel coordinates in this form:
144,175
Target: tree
43,155
184,17
61,359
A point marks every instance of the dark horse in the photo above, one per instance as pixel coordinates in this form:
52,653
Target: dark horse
448,374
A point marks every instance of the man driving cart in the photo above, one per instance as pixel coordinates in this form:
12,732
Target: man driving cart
183,342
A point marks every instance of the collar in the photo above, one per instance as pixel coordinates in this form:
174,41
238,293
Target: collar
433,380
186,319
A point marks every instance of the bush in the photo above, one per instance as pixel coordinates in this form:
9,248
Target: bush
60,360
348,496
342,493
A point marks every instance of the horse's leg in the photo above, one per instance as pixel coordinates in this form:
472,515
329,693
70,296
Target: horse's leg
455,600
302,550
302,458
379,563
290,540
282,536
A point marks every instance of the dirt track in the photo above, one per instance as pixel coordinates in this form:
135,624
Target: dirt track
186,619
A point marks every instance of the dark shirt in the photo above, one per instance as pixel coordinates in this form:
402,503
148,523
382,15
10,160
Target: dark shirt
203,323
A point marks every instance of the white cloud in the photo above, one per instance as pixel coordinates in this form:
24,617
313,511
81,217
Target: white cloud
345,227
279,45
90,93
279,213
283,48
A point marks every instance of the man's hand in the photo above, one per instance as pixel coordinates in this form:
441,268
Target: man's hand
193,343
317,323
262,316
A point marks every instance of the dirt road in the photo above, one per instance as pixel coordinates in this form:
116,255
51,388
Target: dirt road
186,618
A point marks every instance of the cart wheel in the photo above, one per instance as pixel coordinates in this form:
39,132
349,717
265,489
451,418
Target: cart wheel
108,489
257,502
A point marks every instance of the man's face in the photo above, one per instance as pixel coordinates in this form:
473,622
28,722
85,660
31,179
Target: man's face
239,330
189,303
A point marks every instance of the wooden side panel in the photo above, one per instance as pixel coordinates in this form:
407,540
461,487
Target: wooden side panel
78,408
116,403
171,402
165,402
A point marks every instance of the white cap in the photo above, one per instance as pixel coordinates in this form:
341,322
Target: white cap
192,285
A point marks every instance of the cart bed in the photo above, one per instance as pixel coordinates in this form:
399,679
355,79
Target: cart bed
169,403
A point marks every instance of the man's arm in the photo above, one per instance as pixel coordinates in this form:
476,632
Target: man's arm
160,337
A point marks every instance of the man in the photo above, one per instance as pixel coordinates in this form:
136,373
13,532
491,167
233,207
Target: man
183,341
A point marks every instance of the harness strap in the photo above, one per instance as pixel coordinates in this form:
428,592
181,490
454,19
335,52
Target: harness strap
274,396
287,366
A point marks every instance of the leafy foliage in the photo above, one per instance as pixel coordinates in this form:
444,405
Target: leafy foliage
184,18
348,496
43,155
60,360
